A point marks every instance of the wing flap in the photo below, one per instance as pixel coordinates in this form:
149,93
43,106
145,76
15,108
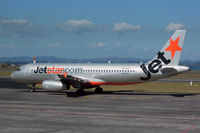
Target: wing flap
74,78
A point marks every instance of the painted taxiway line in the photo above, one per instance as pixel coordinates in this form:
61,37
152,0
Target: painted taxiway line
186,130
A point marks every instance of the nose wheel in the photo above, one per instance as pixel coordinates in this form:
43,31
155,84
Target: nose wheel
33,88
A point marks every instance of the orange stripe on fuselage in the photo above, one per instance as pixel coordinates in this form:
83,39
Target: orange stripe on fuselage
112,83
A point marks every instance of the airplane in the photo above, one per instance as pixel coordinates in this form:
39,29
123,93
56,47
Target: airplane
60,76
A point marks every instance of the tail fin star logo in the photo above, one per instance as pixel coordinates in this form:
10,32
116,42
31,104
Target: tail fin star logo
173,47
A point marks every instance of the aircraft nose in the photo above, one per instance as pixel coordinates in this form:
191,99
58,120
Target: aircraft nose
12,76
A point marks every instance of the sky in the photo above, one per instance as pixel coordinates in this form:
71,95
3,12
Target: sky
96,28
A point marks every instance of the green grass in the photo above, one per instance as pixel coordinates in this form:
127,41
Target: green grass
159,87
188,75
5,73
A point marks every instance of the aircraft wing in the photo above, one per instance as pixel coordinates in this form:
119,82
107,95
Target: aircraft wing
73,78
79,79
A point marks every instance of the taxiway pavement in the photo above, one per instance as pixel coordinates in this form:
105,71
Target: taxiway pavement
117,112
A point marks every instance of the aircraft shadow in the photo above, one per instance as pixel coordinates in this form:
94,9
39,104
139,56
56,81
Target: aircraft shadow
121,92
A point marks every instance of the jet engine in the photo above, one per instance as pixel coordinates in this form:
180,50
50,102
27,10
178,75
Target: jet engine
53,85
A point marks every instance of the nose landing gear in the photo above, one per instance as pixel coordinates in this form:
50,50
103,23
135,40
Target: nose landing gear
33,87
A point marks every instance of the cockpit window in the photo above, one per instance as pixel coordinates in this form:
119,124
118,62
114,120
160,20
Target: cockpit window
19,69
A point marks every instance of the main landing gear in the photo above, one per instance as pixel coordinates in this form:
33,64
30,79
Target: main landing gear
33,87
98,90
80,92
80,89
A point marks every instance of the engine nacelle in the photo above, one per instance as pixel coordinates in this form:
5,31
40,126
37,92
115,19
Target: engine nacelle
53,85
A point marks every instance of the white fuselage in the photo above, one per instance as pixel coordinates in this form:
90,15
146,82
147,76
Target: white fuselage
104,74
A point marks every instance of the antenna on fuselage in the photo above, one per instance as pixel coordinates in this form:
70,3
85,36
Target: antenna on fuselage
34,59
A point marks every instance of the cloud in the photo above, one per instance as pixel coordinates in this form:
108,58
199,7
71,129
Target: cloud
98,44
124,27
173,26
6,46
77,26
20,28
13,22
54,45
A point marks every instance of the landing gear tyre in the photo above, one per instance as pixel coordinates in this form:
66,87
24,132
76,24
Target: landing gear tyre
67,94
98,90
33,88
80,92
